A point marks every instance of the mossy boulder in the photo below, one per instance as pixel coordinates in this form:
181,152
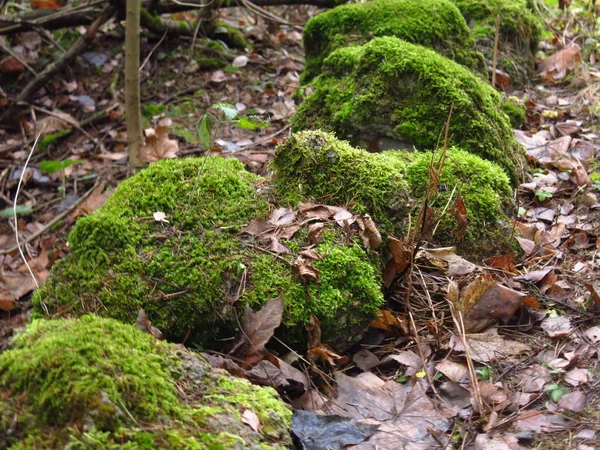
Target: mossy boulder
404,92
95,383
436,24
520,33
194,274
391,184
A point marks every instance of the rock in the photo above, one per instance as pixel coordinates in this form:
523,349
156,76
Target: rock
436,24
391,184
520,33
194,274
98,383
391,88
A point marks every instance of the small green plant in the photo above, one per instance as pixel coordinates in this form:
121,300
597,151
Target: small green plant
556,391
485,373
52,166
542,195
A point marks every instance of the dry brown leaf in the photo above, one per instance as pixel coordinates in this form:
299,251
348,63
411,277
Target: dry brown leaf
556,67
365,360
535,420
500,441
143,323
250,418
454,371
446,259
505,262
389,321
158,146
56,122
459,210
535,378
315,231
277,247
282,216
557,326
487,346
575,401
314,332
304,269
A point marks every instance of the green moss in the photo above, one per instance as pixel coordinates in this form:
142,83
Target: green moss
402,91
520,33
53,137
210,63
515,112
487,195
229,34
97,383
316,164
193,274
436,24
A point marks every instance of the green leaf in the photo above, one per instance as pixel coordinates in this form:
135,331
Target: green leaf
22,210
558,393
252,123
228,110
52,166
205,132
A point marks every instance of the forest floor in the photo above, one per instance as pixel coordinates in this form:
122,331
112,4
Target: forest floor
532,381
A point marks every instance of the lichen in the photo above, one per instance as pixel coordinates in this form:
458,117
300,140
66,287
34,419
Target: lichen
519,33
98,383
391,88
195,273
436,24
391,185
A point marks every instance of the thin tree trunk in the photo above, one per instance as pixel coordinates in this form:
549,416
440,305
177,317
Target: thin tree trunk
132,83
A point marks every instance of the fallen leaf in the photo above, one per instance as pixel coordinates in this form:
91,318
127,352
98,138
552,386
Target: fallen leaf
447,260
365,360
282,216
143,323
573,401
158,146
557,66
576,377
459,210
500,441
258,328
535,420
535,378
56,122
250,418
487,346
454,371
388,321
317,432
483,301
557,326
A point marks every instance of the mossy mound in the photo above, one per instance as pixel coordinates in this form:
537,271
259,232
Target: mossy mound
405,92
520,33
436,24
96,383
195,273
485,191
315,163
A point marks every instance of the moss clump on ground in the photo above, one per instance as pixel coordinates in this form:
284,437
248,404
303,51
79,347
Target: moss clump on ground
485,190
315,163
98,383
318,165
402,91
515,112
195,273
436,24
520,33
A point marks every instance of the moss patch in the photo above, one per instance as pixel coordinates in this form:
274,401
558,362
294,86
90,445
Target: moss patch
315,163
403,91
193,274
97,383
436,24
520,33
515,112
487,195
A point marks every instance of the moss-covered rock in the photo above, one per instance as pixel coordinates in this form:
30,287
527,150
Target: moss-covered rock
404,92
391,184
194,273
520,33
515,112
436,24
316,164
96,383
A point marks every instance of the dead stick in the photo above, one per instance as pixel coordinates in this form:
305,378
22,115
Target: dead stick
495,56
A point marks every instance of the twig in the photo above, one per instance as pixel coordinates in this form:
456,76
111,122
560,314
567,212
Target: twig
153,50
50,224
495,55
266,138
